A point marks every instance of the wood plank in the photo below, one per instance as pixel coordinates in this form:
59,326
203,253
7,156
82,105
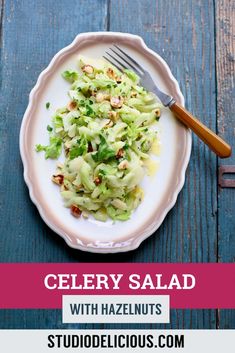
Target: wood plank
52,319
225,59
32,32
183,33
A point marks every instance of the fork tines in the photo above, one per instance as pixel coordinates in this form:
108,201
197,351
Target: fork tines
127,62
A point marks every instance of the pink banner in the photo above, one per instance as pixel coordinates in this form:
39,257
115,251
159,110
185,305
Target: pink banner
38,285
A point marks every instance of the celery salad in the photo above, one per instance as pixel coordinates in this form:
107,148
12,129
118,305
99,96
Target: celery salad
107,134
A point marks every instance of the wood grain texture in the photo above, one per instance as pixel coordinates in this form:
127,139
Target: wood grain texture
32,32
225,66
225,53
52,319
209,137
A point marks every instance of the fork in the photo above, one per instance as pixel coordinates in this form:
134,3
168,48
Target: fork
121,60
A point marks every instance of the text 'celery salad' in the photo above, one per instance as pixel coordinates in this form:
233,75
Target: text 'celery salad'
107,134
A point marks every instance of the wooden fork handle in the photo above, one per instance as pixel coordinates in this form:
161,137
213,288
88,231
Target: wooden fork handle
215,143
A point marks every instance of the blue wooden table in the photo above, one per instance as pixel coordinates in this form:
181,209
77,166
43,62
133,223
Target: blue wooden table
196,38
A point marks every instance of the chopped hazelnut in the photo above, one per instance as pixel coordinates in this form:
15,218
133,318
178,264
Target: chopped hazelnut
58,179
109,124
99,97
116,102
75,211
63,188
133,94
97,181
72,105
123,165
92,92
113,116
158,113
111,73
88,69
120,153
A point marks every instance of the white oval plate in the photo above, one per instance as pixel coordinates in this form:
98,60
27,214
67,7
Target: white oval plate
161,190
